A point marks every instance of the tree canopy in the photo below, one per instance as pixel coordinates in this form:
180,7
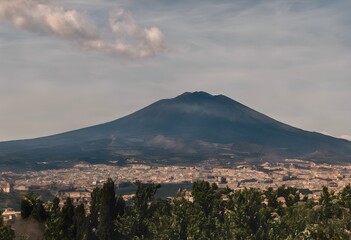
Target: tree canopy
212,214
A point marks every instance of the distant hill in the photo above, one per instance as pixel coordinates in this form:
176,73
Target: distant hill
190,128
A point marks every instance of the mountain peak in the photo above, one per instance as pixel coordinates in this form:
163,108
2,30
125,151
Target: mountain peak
207,99
197,94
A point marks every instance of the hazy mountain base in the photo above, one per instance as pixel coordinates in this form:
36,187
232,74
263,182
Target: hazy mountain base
168,151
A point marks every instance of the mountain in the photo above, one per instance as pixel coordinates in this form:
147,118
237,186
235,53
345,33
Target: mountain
192,127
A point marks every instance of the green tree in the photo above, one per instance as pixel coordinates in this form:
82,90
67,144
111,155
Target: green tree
39,213
67,227
345,197
248,214
272,198
180,219
54,220
28,202
134,223
80,221
159,223
207,215
120,206
205,194
32,205
93,218
107,230
290,194
327,201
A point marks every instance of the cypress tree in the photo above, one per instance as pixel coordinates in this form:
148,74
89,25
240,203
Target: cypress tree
39,213
106,228
52,226
67,225
80,222
93,218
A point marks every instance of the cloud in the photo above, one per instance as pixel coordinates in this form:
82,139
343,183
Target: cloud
42,17
345,136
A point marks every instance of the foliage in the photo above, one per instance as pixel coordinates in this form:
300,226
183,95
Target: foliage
107,213
32,205
134,222
67,226
53,223
210,214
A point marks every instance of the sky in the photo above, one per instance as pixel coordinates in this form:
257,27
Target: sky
68,64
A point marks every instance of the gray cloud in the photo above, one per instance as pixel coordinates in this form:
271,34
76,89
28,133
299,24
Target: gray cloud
43,17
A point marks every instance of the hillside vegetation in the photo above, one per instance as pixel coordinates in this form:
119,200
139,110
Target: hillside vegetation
210,213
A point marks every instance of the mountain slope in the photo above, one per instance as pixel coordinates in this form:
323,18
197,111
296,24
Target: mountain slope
191,127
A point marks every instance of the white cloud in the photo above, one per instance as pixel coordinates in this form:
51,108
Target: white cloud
43,17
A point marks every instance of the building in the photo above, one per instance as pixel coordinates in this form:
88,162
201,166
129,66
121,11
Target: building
221,180
7,188
78,195
21,188
9,214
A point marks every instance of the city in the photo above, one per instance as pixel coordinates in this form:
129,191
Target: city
308,177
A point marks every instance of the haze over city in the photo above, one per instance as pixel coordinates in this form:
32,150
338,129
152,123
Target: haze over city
287,59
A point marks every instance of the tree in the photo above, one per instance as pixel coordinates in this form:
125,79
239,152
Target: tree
207,214
345,197
120,206
290,195
245,214
27,204
32,205
326,202
134,222
80,222
106,228
93,218
159,223
248,214
39,213
54,221
271,196
67,227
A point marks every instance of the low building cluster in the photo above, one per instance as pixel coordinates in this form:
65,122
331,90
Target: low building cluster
77,182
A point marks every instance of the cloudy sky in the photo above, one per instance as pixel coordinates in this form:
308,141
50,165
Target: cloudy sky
67,64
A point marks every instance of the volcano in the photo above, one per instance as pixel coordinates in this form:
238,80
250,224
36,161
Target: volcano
190,128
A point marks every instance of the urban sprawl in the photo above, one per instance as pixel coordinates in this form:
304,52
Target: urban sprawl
308,177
